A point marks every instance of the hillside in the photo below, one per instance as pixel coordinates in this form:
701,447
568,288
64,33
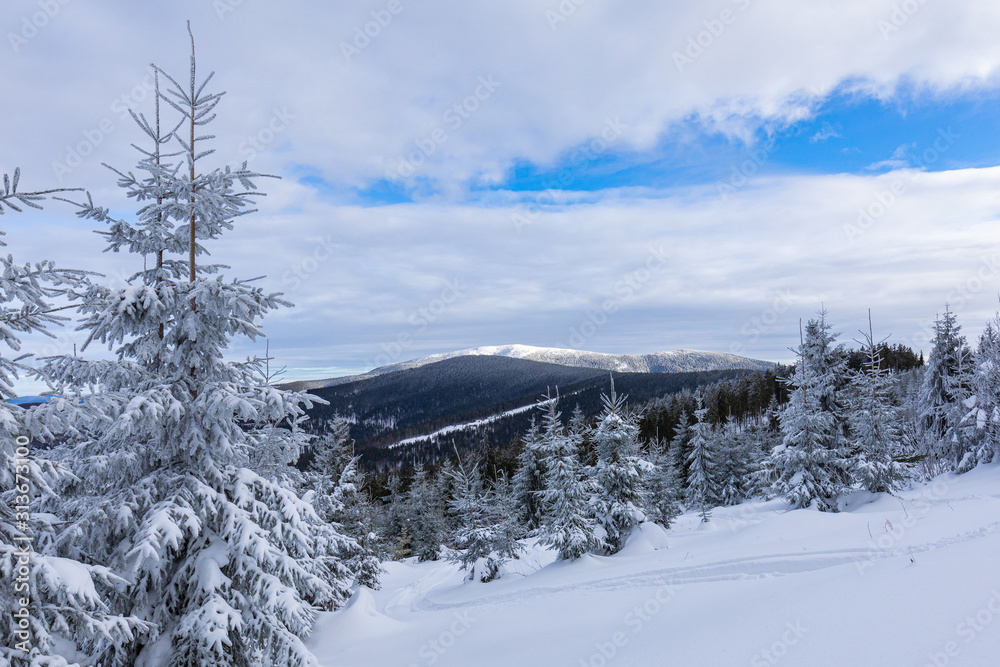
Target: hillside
677,361
888,581
405,404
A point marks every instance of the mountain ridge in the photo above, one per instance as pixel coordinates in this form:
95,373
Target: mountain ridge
675,361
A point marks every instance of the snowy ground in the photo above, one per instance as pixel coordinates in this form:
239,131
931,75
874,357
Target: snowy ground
890,581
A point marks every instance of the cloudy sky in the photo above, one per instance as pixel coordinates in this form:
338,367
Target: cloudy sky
628,176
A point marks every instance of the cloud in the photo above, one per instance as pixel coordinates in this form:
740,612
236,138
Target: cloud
412,90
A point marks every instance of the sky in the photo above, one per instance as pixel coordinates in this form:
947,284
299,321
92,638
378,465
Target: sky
624,177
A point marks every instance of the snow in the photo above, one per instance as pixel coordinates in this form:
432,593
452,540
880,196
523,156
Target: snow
908,580
469,425
674,361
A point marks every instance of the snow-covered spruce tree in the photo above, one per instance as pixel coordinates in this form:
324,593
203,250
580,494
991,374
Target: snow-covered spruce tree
485,535
875,423
811,465
948,372
680,447
46,599
703,484
618,474
737,463
661,490
424,516
335,482
983,418
566,524
529,479
229,565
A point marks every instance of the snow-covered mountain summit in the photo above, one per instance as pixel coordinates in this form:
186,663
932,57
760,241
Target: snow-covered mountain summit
677,361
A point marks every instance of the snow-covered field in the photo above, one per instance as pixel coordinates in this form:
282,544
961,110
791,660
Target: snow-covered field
913,580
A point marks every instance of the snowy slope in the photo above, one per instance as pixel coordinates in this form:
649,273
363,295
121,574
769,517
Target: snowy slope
907,581
677,361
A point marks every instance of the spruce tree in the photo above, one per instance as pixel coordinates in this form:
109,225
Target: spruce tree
618,475
567,525
983,417
529,480
875,423
66,598
486,535
425,520
946,380
703,485
662,489
230,565
812,464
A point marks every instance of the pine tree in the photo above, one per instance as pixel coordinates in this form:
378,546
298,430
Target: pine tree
874,422
703,485
425,516
485,535
529,480
618,475
811,464
736,463
680,447
335,483
982,420
567,525
946,379
66,598
662,489
231,566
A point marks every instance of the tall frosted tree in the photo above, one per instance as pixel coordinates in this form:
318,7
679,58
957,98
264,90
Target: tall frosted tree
47,600
982,420
425,521
566,525
811,465
529,479
229,565
946,383
661,489
618,480
335,482
875,423
486,531
703,489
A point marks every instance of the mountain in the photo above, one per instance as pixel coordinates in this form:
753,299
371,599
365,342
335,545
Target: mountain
677,361
418,414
